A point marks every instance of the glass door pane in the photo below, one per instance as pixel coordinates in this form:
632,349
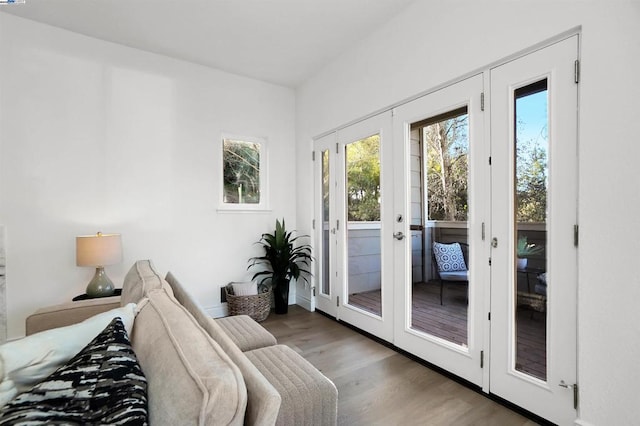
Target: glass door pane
325,287
362,192
530,195
440,208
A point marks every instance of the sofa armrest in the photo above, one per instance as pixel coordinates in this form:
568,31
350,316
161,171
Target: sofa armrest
68,313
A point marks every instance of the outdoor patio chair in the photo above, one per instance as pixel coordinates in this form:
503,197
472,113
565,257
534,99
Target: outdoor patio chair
451,265
541,285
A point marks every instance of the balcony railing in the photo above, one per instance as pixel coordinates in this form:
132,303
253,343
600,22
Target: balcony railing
365,250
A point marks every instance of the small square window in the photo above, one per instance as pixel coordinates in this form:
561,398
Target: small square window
243,173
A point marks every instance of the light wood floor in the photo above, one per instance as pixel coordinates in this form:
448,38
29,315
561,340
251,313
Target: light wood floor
378,386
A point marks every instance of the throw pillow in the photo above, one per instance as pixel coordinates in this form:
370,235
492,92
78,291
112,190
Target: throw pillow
449,257
24,362
103,384
245,289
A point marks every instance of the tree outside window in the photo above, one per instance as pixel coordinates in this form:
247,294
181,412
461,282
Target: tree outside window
241,172
531,165
447,147
363,179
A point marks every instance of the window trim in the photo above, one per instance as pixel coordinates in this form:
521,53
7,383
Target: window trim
263,205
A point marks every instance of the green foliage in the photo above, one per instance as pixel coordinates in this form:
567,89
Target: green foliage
241,170
363,179
326,186
524,249
531,177
281,261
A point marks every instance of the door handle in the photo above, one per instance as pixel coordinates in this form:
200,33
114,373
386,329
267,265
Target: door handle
562,384
398,235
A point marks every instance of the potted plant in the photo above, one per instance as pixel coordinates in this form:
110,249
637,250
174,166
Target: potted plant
524,250
283,262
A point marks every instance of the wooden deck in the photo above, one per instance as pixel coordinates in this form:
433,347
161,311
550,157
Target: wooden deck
449,321
378,386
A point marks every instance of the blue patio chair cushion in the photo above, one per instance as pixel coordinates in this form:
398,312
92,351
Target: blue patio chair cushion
449,257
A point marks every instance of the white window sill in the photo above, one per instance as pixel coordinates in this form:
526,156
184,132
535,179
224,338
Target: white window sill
243,209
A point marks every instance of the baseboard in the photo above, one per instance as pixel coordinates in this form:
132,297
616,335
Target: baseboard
221,310
303,301
217,311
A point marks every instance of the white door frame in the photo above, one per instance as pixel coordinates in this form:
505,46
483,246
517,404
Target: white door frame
336,304
544,398
493,361
462,361
325,301
380,326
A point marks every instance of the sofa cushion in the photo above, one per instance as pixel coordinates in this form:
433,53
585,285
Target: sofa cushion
141,278
25,362
191,380
455,276
263,400
102,384
245,332
308,397
68,313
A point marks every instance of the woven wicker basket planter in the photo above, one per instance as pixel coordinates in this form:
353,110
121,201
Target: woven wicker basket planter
537,302
256,306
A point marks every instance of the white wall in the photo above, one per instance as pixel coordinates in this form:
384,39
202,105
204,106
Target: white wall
433,42
100,137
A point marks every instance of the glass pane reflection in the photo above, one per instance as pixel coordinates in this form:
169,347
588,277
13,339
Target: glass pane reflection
362,165
439,172
531,186
326,259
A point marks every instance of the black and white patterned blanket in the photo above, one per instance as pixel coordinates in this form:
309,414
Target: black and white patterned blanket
103,384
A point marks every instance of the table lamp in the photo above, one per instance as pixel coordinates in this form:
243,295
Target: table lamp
99,250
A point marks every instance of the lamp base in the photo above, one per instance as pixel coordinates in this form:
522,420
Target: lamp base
100,285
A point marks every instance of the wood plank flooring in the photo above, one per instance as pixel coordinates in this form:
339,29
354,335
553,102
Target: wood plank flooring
378,386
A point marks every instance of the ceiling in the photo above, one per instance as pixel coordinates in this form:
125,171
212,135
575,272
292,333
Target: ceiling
279,41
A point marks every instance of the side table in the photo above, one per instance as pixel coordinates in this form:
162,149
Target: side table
85,296
530,271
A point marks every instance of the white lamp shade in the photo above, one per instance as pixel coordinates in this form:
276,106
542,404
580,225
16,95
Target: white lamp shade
98,250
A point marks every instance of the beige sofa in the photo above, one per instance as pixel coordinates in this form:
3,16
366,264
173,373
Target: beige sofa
205,371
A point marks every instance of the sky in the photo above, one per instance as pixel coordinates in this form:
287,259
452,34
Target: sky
532,110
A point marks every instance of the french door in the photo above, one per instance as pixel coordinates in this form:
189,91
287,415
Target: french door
484,171
355,185
534,215
441,189
325,224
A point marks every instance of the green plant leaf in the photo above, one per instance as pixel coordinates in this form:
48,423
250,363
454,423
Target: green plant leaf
282,259
524,249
